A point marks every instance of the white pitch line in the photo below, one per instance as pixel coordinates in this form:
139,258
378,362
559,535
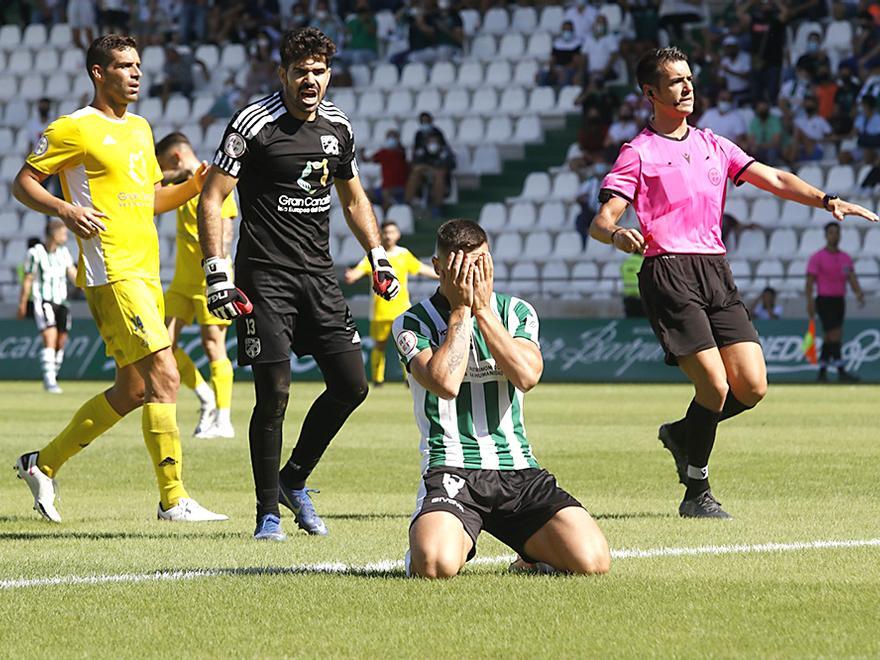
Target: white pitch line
391,566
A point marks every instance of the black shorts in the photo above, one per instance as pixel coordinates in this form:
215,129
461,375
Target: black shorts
52,315
831,310
301,312
693,304
509,504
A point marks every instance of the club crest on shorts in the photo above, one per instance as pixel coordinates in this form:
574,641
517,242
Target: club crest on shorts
452,483
234,145
252,346
42,146
330,145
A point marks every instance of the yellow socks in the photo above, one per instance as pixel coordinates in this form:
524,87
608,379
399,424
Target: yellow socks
221,380
91,420
377,365
162,438
189,375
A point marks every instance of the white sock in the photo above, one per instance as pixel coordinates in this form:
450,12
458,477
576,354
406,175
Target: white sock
48,362
206,395
223,417
59,359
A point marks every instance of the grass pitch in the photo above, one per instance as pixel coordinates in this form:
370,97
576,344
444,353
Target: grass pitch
802,467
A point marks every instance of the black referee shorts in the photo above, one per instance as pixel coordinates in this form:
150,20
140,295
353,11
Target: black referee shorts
693,304
303,313
831,310
509,504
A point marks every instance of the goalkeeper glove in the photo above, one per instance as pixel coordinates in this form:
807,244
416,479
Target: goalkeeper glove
225,301
385,282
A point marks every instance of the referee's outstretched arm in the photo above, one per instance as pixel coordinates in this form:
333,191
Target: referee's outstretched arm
358,212
788,186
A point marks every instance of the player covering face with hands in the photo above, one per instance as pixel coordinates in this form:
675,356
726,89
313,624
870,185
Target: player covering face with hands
676,178
284,153
471,354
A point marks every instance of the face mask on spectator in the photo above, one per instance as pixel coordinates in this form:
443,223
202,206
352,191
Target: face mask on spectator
812,46
580,3
392,143
433,147
567,34
320,14
724,106
600,30
443,4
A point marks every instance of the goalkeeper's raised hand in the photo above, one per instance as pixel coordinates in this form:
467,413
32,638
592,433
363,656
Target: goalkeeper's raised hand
225,301
385,282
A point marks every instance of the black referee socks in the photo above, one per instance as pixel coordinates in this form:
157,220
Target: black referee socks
700,426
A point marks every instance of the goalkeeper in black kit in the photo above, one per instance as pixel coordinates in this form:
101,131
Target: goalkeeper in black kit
284,152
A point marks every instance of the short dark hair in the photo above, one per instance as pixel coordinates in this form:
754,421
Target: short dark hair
101,48
389,223
829,225
648,68
302,43
768,289
460,234
170,141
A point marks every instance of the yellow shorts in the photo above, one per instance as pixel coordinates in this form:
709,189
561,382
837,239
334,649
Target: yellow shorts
380,330
130,315
186,306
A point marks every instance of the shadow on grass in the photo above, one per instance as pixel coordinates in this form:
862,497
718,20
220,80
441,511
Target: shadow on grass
113,536
633,516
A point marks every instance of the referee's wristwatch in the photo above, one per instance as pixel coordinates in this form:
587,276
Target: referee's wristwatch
827,199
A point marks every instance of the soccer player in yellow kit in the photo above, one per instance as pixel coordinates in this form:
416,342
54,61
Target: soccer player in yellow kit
111,183
185,298
383,312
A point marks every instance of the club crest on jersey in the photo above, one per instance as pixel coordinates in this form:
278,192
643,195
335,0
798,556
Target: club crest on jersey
406,341
42,146
252,346
330,145
234,145
714,176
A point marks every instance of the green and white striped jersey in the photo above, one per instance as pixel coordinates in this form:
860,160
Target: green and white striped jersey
50,273
483,427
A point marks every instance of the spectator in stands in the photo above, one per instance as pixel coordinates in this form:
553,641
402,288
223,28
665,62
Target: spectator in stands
82,20
765,306
724,119
765,135
866,45
223,17
450,31
113,16
588,199
629,279
38,122
676,15
178,74
601,51
153,22
731,226
47,12
807,10
871,86
434,34
395,170
328,23
193,21
581,15
811,132
432,164
765,21
361,30
815,57
225,103
298,17
830,269
623,129
867,127
565,60
848,87
736,69
795,90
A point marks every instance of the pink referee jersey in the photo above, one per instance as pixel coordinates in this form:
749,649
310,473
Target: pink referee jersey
677,188
831,270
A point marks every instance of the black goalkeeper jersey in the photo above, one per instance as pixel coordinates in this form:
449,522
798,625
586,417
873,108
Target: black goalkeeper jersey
285,169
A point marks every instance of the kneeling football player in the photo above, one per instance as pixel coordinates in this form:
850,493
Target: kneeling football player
471,354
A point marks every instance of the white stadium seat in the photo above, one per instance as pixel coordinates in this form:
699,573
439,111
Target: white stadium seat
528,130
508,248
552,216
486,159
765,211
584,276
399,103
360,75
524,279
568,95
470,19
851,240
514,100
46,62
871,248
385,76
512,46
73,61
484,102
7,139
738,208
812,240
751,244
770,269
233,57
414,75
429,100
402,214
10,37
8,87
524,19
499,130
177,111
542,100
741,269
470,75
841,179
813,175
371,104
783,243
565,186
209,54
448,126
493,217
484,48
540,45
567,246
554,278
20,62
442,75
35,36
613,15
536,187
525,73
794,215
551,18
457,102
153,59
495,21
31,87
57,87
471,131
538,246
498,73
521,217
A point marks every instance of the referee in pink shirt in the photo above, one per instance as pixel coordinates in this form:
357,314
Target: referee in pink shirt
675,177
829,270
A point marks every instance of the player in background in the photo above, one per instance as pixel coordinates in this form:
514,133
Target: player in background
675,177
47,269
285,152
185,298
383,312
471,355
112,189
829,270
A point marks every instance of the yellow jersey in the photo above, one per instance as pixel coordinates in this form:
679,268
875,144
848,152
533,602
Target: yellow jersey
189,276
109,165
404,264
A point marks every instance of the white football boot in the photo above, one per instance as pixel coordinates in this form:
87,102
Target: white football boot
43,488
205,427
188,510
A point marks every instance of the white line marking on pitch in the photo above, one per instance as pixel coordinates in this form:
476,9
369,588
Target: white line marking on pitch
390,566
